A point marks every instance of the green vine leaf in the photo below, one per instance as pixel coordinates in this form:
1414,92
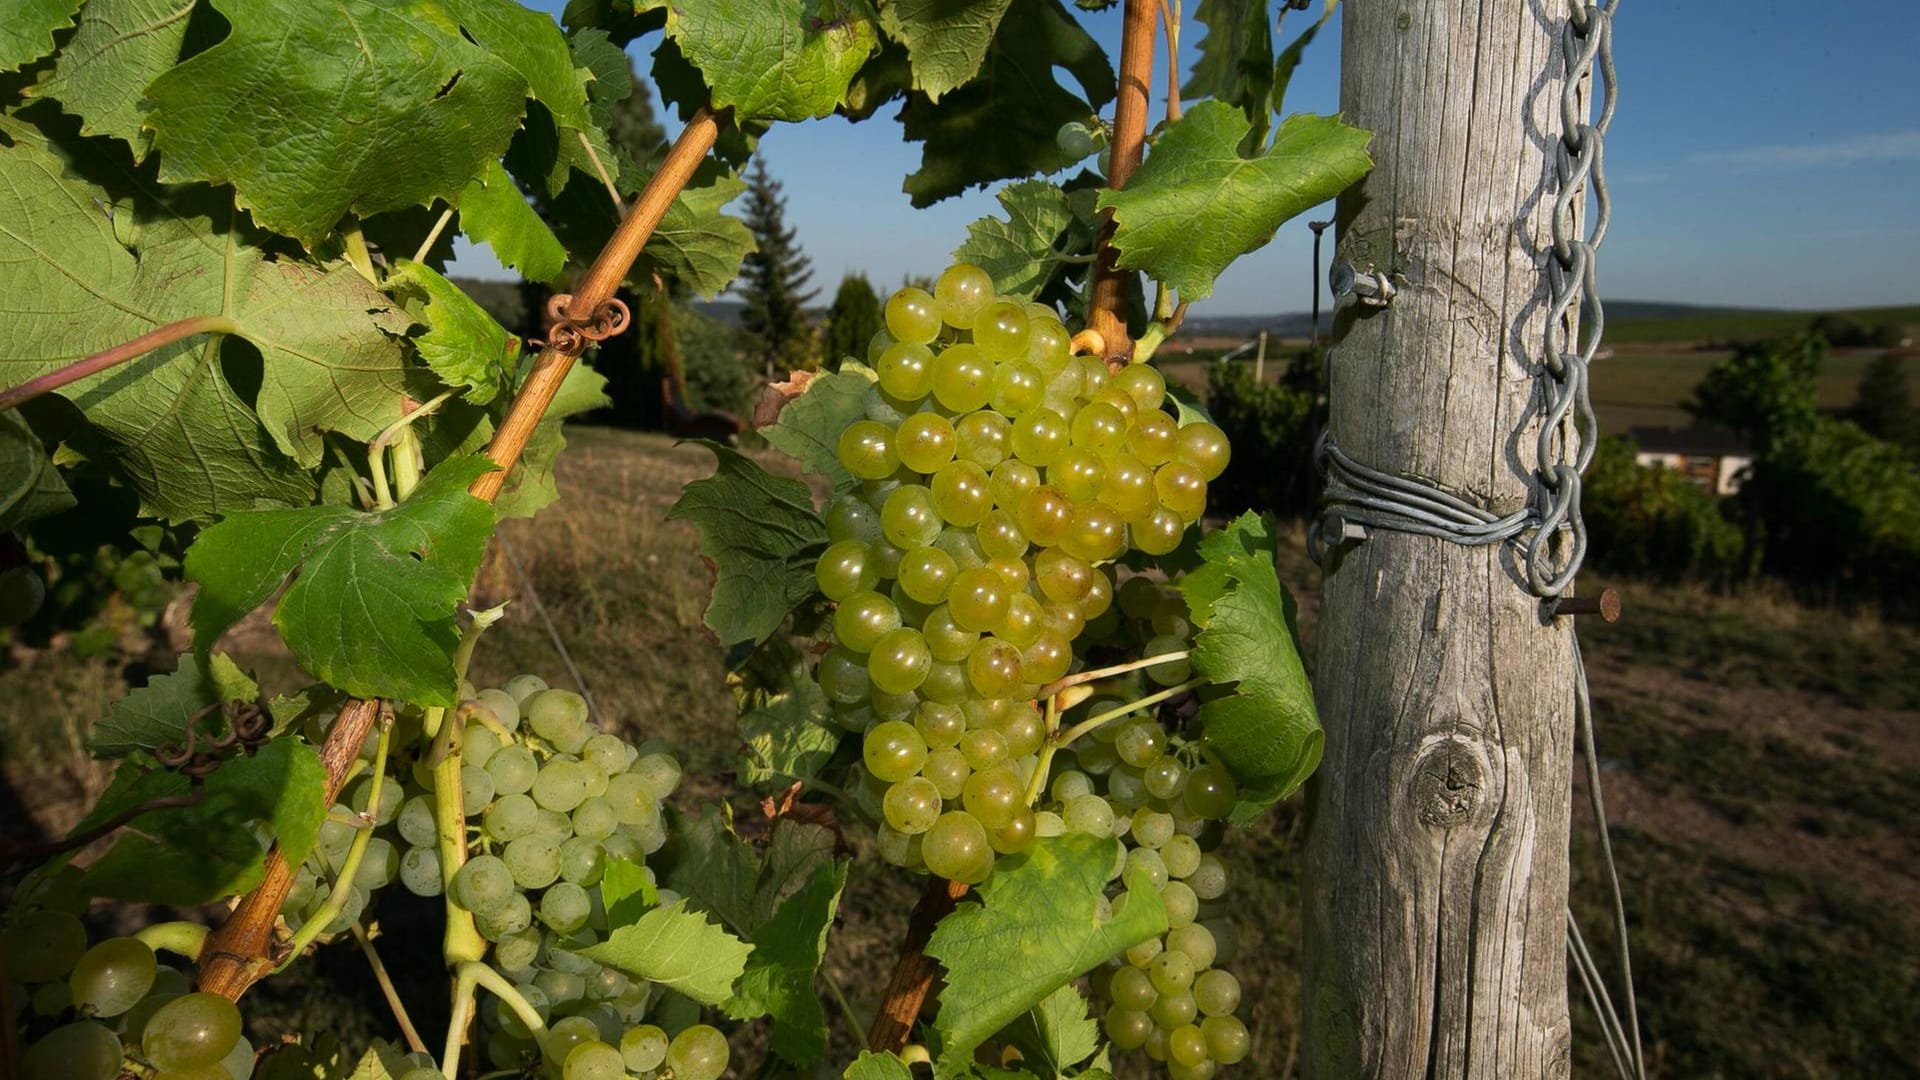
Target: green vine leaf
462,343
1267,731
1196,204
102,73
372,608
26,34
1024,250
810,425
402,110
1002,124
533,44
1291,56
679,949
1035,928
779,977
325,344
773,59
946,40
759,531
1056,1034
872,1066
789,735
1236,58
494,212
31,487
158,714
627,892
695,244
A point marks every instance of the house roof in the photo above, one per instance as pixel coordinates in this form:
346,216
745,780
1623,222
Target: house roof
1697,441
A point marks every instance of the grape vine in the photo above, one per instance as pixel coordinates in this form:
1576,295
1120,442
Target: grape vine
1014,649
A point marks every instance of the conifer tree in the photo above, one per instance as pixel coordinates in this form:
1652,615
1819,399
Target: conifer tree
1884,406
852,321
773,280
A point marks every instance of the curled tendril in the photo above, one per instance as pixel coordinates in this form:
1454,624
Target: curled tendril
248,726
572,335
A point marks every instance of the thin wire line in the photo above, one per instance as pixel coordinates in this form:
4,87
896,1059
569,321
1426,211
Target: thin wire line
553,632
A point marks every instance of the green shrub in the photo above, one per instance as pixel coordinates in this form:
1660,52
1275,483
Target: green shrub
1655,522
1272,430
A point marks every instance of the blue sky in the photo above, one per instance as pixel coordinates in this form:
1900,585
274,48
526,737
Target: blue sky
1765,154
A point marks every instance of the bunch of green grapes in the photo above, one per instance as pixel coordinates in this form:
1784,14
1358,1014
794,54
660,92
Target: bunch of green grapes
999,474
90,1012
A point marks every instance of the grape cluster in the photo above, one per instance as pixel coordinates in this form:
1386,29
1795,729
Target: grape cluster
90,1012
998,473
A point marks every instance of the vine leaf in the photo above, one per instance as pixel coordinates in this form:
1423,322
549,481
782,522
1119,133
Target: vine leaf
157,714
325,348
372,608
1023,251
679,949
1002,124
190,855
1035,928
946,40
759,531
1267,731
102,73
790,733
1196,204
26,34
627,891
1236,58
772,59
462,343
695,244
30,486
810,425
460,429
402,109
1056,1034
787,950
494,212
873,1066
530,42
1291,56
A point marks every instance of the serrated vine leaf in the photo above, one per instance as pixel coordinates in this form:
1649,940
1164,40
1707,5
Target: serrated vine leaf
191,855
372,608
1236,57
533,45
679,949
946,40
697,245
789,735
401,110
26,34
627,892
462,344
158,714
1267,731
1002,124
1195,204
30,486
1056,1034
1035,928
758,530
810,425
184,437
1023,250
102,73
872,1066
382,1061
773,59
494,212
787,950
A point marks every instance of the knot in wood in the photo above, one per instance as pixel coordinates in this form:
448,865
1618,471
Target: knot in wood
1447,782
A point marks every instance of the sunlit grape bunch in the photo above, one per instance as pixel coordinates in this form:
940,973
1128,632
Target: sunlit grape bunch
1000,474
89,1012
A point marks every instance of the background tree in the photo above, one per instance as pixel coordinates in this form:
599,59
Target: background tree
1764,393
773,280
853,319
1884,407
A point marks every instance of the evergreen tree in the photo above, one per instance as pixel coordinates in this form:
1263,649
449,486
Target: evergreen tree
852,321
773,280
1885,404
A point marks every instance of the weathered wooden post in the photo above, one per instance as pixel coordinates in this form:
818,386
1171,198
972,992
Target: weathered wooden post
1437,856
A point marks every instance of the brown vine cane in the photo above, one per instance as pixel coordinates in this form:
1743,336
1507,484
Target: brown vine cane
240,952
1106,315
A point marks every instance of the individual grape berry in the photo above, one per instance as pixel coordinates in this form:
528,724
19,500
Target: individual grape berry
909,517
420,871
1211,792
850,517
1209,880
963,546
1001,330
905,371
513,769
1075,142
993,668
1158,533
1130,989
1045,659
1143,383
962,290
522,687
862,619
1024,620
1171,1010
947,770
992,795
1076,473
483,884
1126,484
698,1053
1017,834
190,1032
1098,532
957,848
80,1051
960,494
913,316
1227,1039
1127,1028
925,441
866,450
893,751
912,805
1185,1045
1216,992
1062,578
947,640
962,378
843,569
1099,428
1018,387
1040,437
978,599
1204,446
643,1048
1045,515
113,976
1010,481
900,661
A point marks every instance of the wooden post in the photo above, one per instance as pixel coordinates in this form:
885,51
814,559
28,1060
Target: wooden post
1260,359
1437,854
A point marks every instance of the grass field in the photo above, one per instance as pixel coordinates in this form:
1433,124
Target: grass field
1746,325
1761,766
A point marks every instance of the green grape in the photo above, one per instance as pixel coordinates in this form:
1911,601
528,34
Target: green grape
582,860
378,864
506,920
946,640
1040,437
1130,989
594,818
1023,621
985,712
1093,375
893,751
865,449
113,976
1204,446
909,517
1010,481
1099,428
1227,1039
1126,484
1158,533
1047,658
948,771
978,600
534,861
416,820
843,676
483,884
1153,437
643,1048
878,344
1046,824
522,687
1211,792
1173,1007
1127,1028
913,316
697,1053
983,747
1045,515
912,805
945,682
420,871
556,716
862,619
992,794
1076,473
560,785
390,800
509,818
551,824
1181,855
1217,992
1185,1046
1098,532
1137,597
1088,814
190,1031
631,801
476,788
659,771
1148,862
1099,598
1141,742
1181,488
81,1051
1143,383
993,668
1001,330
513,769
963,547
477,743
608,754
566,1033
844,569
562,987
1062,619
422,1072
899,662
1018,387
925,441
1070,784
1076,143
850,517
962,378
41,946
1151,828
1125,788
504,707
1049,346
1120,400
894,706
1062,577
1181,903
957,848
960,494
962,290
565,907
1064,387
940,725
984,438
1164,779
926,573
905,371
1018,834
